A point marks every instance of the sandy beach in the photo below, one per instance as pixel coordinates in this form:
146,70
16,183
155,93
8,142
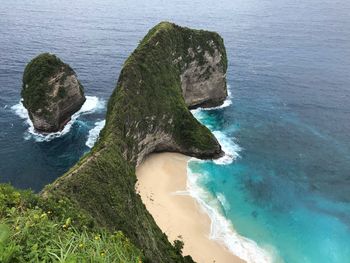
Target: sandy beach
159,177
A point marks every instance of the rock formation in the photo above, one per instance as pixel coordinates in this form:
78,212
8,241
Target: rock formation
148,112
51,93
203,81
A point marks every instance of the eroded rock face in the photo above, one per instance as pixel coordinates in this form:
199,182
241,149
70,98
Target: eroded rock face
198,67
173,68
203,82
51,93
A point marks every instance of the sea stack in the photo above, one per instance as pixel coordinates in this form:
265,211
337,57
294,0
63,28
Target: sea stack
51,92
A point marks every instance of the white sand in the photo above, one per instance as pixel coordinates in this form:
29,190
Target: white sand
159,177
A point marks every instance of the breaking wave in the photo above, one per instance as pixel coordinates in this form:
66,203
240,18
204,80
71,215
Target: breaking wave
95,133
228,144
221,229
91,105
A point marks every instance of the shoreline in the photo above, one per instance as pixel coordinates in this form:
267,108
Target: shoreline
160,176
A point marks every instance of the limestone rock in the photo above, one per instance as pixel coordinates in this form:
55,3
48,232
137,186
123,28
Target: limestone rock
173,68
51,93
203,82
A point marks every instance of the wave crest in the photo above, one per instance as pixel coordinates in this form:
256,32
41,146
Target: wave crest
228,144
221,229
91,105
230,148
95,133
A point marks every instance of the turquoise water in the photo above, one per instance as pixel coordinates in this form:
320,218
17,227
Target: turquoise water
285,183
265,190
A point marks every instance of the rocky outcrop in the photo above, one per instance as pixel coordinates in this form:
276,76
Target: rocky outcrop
169,59
203,82
51,93
148,112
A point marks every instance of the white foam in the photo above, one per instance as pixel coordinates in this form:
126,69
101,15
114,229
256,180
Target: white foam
225,104
221,229
198,113
228,145
92,104
230,148
222,199
95,133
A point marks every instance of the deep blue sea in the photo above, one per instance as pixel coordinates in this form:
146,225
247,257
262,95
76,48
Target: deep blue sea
285,183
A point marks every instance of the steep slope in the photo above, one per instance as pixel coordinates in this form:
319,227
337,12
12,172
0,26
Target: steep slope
51,92
33,229
146,113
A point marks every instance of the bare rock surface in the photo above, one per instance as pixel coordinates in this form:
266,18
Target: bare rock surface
204,84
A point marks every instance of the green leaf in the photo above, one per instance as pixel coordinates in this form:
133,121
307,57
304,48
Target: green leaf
4,233
68,221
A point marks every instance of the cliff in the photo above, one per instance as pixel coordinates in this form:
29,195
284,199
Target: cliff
51,92
148,112
203,73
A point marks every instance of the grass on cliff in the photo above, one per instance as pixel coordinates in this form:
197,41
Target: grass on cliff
37,230
36,75
147,99
149,87
103,185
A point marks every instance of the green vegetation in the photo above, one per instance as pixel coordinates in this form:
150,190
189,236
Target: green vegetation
103,185
62,93
35,80
51,92
36,88
92,213
149,88
146,106
36,230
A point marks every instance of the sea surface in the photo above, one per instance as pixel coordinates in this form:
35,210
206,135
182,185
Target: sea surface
282,192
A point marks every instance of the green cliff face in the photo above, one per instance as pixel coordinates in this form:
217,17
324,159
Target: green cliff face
146,113
51,92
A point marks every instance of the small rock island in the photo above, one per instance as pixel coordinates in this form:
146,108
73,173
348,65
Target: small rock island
51,92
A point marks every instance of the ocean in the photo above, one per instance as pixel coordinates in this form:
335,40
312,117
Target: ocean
282,192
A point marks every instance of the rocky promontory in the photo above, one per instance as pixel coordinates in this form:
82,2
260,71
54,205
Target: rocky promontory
51,92
203,74
172,69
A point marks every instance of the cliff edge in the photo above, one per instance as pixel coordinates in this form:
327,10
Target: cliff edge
148,112
51,92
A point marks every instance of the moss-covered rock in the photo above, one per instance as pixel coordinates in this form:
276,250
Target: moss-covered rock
51,92
146,113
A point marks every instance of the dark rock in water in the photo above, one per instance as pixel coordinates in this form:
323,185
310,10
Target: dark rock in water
51,92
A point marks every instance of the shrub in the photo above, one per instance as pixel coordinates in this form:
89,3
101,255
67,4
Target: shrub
37,230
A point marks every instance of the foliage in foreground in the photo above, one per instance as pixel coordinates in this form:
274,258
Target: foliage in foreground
37,230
